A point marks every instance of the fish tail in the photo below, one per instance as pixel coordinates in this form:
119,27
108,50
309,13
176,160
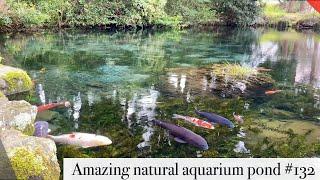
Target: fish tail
197,111
53,138
156,122
177,116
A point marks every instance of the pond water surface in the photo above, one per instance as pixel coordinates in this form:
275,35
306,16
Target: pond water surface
119,82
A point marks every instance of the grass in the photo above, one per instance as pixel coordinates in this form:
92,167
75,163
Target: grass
273,13
235,71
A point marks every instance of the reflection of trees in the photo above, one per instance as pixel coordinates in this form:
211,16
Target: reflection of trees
308,67
293,50
142,50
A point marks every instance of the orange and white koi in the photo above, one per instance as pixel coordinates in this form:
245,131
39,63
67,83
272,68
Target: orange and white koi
271,92
195,121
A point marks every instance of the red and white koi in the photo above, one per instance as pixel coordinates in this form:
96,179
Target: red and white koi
195,121
53,105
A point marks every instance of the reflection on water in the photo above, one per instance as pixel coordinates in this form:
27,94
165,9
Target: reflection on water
41,94
176,80
118,78
76,109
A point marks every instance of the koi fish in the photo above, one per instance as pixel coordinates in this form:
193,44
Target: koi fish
78,139
194,121
215,118
263,69
238,118
84,140
183,135
271,92
53,105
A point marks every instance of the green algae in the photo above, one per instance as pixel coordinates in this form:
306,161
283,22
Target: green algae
2,95
17,81
28,164
29,130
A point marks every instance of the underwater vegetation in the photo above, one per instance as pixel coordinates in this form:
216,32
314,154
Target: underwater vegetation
127,79
234,71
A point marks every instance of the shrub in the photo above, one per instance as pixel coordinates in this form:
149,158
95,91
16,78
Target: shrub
26,14
235,12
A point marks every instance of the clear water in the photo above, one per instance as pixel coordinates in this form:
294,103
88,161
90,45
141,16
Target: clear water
118,82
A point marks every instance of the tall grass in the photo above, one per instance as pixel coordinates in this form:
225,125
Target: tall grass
274,13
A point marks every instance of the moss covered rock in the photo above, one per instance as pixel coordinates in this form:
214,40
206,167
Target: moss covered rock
18,115
30,157
225,80
14,80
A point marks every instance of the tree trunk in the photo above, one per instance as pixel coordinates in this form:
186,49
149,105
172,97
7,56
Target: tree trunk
290,6
303,6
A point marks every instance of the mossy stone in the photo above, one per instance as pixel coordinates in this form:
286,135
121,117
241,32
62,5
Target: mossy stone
31,157
14,80
17,80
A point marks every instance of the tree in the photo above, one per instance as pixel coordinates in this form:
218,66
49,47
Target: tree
235,12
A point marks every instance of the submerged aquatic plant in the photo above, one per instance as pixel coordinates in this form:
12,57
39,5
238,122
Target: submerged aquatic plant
234,71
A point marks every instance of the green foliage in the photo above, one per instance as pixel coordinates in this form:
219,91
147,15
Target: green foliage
275,13
192,11
235,12
27,14
4,19
168,13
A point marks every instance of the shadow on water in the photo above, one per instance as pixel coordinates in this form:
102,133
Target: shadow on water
126,79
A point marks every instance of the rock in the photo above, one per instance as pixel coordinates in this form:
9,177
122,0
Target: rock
30,157
225,80
232,80
14,80
19,115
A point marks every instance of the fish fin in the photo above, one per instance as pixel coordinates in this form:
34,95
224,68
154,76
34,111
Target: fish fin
179,140
72,135
176,116
50,137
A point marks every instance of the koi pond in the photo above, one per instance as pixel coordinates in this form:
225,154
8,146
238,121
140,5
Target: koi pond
118,82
